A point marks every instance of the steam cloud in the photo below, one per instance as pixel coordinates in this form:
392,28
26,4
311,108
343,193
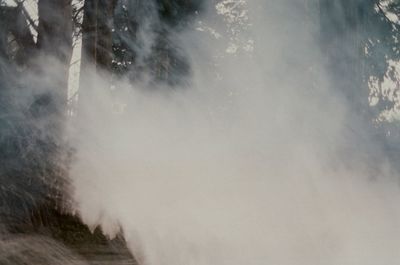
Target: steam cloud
255,163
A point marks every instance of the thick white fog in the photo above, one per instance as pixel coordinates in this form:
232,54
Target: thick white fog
250,164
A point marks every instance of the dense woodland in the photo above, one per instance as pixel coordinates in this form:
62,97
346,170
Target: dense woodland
359,37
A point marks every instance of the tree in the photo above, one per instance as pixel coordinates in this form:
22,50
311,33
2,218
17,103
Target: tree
97,33
54,44
144,39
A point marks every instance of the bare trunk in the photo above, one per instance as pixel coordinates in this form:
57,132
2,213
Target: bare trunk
96,47
55,48
97,34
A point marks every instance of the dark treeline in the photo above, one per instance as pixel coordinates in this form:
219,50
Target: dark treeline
135,39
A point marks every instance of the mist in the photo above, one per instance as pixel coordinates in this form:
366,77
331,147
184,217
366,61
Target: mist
255,160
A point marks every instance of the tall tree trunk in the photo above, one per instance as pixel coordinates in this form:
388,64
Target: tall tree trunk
97,34
54,45
97,51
